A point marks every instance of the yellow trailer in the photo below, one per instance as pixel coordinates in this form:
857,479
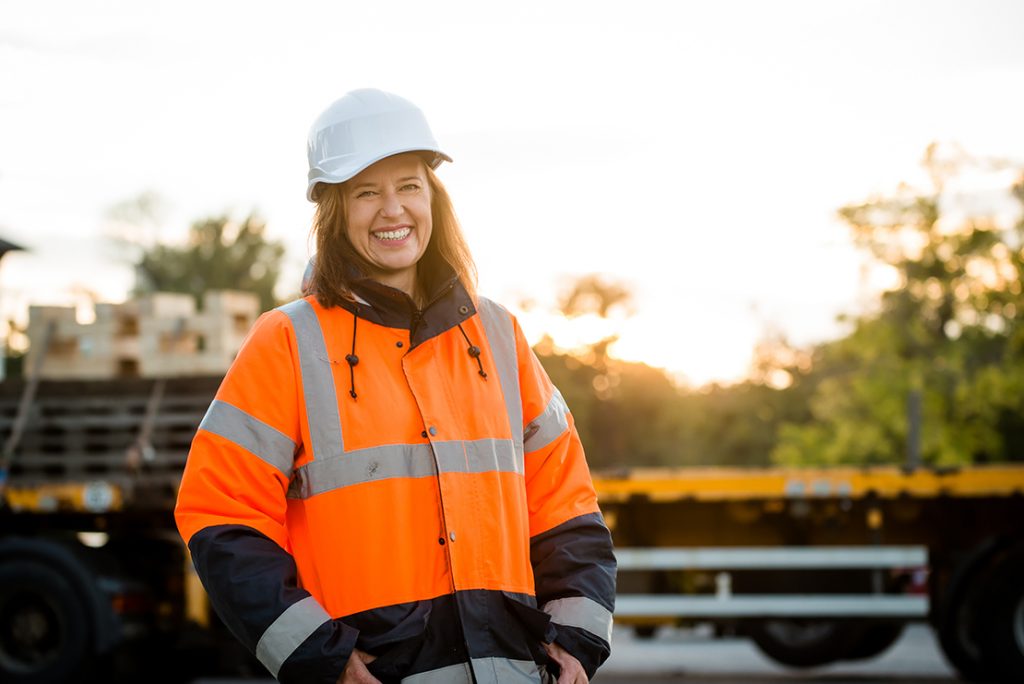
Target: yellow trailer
819,565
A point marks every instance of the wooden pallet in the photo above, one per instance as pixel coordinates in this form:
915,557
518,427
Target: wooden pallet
90,430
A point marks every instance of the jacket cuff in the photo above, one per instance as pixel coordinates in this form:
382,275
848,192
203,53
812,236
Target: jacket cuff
589,650
322,657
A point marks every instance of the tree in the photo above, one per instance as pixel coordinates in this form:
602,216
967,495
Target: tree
220,254
631,414
944,350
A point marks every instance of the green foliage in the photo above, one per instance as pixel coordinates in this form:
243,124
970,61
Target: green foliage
631,414
220,254
946,337
949,334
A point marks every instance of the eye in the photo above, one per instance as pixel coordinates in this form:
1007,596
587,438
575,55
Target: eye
366,193
409,187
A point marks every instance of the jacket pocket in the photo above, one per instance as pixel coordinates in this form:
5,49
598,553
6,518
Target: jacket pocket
395,636
536,624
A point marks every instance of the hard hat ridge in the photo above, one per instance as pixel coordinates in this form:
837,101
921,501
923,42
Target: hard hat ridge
361,128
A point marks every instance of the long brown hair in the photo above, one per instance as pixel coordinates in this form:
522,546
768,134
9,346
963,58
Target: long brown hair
331,281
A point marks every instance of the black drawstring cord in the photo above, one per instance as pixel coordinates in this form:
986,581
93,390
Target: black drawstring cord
353,360
474,351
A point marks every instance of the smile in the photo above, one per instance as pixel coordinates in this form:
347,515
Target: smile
396,234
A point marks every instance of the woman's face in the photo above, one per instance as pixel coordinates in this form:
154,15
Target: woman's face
387,213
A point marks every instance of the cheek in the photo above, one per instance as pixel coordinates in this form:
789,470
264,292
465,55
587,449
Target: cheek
355,224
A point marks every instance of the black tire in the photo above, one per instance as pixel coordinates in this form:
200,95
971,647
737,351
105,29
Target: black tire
805,643
44,625
1002,605
875,639
959,620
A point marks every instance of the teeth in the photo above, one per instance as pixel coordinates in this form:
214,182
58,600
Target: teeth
399,234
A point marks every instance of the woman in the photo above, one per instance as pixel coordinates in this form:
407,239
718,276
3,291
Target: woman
387,485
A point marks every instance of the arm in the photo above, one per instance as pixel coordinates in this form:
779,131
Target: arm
231,513
570,546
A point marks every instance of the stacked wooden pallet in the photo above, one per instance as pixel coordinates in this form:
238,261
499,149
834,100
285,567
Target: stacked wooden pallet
133,434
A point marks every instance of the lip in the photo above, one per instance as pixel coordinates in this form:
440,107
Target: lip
396,226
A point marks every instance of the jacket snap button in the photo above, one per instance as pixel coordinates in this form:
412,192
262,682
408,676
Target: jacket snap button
463,309
440,540
423,434
433,430
451,535
399,345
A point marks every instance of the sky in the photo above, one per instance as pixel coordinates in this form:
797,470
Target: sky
696,152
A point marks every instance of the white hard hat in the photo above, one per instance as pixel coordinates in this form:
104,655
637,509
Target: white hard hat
361,128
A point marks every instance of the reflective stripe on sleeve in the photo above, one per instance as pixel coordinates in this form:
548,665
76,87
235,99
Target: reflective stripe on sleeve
261,440
502,338
288,632
547,427
320,396
404,460
579,611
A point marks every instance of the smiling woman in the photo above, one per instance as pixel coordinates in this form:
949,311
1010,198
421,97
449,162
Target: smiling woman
382,223
440,523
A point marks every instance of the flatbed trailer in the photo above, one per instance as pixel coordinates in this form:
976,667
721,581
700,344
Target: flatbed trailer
814,565
820,565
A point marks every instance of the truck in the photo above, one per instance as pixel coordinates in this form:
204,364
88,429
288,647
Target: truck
814,565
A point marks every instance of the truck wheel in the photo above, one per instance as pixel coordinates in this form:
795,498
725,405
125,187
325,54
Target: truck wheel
875,639
805,643
1002,630
44,625
959,619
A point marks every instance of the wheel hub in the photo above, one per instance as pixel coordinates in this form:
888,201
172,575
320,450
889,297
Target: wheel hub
30,632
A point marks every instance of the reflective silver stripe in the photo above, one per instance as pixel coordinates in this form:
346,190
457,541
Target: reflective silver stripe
317,381
451,674
404,460
502,338
479,456
579,611
363,465
504,670
288,632
261,440
548,426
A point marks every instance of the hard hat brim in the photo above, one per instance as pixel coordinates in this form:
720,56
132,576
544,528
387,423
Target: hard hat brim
317,175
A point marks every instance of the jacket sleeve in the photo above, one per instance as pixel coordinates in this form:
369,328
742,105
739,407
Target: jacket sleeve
570,546
231,513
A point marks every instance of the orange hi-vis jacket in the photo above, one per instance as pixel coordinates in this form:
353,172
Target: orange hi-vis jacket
403,481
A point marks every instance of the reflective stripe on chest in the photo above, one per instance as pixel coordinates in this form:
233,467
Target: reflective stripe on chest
454,406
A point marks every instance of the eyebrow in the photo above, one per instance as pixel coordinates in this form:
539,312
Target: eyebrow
400,180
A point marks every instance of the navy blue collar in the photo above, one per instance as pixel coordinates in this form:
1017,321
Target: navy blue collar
448,305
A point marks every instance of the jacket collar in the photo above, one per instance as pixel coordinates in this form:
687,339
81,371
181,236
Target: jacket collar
448,304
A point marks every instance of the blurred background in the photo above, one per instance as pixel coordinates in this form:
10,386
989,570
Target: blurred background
776,236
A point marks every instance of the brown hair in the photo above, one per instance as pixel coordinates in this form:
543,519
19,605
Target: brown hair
331,282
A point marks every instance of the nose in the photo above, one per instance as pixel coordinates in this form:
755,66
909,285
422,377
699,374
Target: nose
391,205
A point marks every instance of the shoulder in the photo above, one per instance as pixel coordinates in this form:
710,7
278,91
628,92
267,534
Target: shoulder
499,322
277,328
488,308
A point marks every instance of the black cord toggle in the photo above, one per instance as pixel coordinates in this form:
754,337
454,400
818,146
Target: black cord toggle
474,352
353,360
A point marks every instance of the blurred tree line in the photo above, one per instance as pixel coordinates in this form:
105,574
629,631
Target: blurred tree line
935,371
221,252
